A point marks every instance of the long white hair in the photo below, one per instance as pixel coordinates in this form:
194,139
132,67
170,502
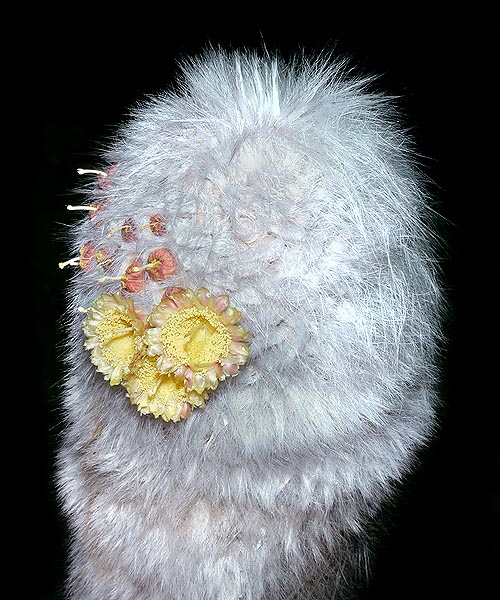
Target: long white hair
291,188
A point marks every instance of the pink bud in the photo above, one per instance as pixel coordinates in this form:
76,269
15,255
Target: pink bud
133,280
98,206
157,224
230,369
188,378
185,410
104,181
164,264
105,257
171,291
221,303
181,371
129,230
87,253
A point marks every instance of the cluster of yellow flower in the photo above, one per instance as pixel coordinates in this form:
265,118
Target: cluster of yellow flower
170,360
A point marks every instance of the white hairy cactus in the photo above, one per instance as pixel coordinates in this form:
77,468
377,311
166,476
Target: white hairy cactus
292,190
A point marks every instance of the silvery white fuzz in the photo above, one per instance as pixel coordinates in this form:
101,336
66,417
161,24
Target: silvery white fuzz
291,189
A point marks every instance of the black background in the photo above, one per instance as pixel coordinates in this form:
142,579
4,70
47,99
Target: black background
86,69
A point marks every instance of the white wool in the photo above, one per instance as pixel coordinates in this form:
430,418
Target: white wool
291,188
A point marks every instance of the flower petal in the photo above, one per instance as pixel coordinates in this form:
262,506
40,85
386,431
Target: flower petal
188,378
154,349
211,380
164,365
185,410
199,382
204,296
221,303
230,316
239,348
239,333
230,369
169,306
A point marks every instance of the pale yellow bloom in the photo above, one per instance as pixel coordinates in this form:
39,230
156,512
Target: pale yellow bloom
113,330
159,394
194,337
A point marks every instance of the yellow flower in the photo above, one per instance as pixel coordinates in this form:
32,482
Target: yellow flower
113,330
195,338
168,362
159,394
